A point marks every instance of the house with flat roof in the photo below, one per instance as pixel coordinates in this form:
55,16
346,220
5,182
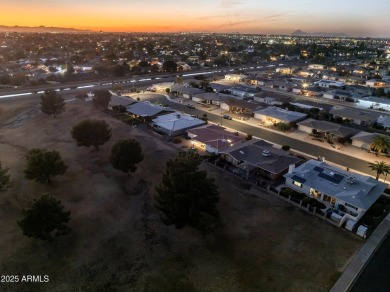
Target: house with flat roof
349,194
213,138
278,115
258,158
175,124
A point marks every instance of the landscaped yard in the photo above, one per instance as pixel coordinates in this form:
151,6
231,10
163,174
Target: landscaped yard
118,242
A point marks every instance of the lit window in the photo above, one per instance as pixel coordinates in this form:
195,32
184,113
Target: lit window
298,184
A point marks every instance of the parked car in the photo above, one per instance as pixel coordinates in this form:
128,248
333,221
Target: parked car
227,117
266,153
190,105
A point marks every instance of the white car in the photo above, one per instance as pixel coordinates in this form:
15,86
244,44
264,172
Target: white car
266,153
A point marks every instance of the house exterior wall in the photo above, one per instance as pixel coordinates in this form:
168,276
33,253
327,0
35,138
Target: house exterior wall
200,99
305,129
361,144
350,212
225,106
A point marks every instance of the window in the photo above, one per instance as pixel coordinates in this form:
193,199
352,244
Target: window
298,184
351,206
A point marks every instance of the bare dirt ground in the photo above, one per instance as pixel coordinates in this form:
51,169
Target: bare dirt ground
117,241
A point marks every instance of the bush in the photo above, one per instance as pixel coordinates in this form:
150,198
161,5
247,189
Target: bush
248,137
176,140
286,147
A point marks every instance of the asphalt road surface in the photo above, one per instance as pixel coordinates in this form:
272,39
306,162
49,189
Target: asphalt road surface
330,155
376,276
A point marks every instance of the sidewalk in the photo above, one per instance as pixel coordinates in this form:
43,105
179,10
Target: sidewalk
361,259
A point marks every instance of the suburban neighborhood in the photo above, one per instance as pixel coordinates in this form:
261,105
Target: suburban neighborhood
296,123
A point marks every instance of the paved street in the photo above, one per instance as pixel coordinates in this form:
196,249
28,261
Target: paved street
330,155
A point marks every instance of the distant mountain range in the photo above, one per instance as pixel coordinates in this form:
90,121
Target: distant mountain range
324,34
4,28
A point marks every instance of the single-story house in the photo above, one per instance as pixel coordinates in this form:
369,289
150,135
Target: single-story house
217,87
338,131
257,81
349,194
235,77
338,94
146,110
162,86
185,91
277,115
259,159
175,124
330,84
209,97
312,91
213,138
376,83
384,121
317,66
355,116
270,100
364,140
239,106
243,92
281,85
120,103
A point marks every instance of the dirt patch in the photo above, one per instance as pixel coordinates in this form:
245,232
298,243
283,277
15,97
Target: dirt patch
119,243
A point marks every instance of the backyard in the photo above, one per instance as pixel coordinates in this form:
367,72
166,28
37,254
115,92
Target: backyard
118,242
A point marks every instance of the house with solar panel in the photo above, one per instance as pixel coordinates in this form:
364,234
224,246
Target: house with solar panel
347,195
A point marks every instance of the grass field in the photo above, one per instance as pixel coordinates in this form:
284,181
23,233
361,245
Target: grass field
118,242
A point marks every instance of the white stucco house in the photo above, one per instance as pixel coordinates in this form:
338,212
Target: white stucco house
349,194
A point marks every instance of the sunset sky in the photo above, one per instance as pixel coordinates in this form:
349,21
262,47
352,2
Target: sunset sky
353,17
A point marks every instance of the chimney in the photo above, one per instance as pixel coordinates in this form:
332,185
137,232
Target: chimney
291,168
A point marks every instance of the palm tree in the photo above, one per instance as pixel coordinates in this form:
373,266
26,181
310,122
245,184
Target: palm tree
380,168
380,143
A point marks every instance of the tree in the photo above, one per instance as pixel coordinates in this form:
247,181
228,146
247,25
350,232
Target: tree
101,99
91,133
186,196
43,164
52,103
126,154
380,168
380,143
45,220
169,66
5,182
